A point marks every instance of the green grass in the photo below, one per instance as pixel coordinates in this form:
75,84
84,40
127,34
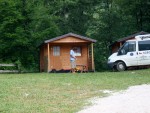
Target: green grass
61,93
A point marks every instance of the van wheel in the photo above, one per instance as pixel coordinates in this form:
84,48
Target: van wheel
120,66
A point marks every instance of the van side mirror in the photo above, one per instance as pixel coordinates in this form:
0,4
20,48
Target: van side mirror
123,52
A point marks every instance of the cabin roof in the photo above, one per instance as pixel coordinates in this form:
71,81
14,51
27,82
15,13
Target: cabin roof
70,34
128,37
132,36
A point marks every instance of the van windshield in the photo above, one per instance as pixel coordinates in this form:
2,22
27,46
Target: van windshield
127,47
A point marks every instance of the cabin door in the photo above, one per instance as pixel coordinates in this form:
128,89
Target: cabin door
55,58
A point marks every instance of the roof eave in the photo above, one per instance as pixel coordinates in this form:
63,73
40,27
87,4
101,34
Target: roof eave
132,36
70,34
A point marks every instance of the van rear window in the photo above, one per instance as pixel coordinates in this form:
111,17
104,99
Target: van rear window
144,45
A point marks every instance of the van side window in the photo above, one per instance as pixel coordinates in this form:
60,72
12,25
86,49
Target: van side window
127,47
132,46
144,45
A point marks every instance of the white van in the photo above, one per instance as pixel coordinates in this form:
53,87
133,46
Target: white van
134,52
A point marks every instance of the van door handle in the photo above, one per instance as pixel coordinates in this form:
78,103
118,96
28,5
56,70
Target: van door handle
137,53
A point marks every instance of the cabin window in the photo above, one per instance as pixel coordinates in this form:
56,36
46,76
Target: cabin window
78,51
56,50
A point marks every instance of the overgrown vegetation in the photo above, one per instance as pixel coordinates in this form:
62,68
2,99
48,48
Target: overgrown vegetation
25,24
61,93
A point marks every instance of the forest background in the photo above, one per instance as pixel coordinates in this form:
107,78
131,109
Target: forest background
25,24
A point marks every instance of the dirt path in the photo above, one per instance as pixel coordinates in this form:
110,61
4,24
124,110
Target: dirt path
134,100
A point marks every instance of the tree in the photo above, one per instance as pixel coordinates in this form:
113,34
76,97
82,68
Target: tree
25,24
136,12
11,31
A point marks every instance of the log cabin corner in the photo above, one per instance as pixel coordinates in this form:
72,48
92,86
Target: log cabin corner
55,53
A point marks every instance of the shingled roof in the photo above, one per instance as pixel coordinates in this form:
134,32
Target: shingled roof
132,36
72,35
128,37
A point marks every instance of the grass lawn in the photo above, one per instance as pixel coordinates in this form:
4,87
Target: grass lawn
61,93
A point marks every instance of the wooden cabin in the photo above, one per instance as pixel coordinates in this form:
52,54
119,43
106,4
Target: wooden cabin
55,53
117,44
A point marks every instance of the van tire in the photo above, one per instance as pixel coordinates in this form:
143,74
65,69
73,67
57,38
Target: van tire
120,66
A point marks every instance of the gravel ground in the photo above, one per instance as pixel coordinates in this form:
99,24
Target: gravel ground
136,99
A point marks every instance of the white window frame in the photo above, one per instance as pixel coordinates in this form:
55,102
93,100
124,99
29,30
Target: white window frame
56,50
78,51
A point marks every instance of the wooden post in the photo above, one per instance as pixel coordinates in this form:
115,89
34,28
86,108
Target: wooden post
93,66
48,60
120,44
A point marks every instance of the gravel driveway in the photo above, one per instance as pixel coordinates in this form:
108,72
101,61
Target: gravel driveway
136,99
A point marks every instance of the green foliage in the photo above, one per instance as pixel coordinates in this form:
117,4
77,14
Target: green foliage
8,68
25,24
